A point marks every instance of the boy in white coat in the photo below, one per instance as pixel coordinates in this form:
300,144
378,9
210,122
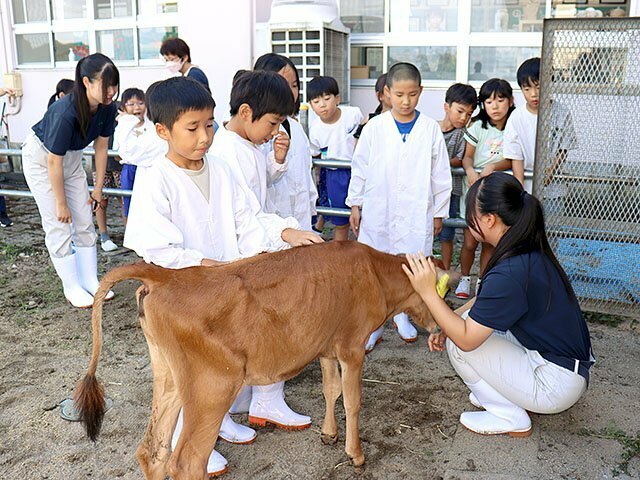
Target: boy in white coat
400,180
189,209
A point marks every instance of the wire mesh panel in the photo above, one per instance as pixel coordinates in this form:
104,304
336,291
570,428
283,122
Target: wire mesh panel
587,169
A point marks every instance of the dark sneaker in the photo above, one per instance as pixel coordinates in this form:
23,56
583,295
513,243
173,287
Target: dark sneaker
5,221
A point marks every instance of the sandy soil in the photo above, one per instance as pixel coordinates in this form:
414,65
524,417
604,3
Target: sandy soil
411,398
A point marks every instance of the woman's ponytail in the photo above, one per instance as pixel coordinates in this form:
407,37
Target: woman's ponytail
83,109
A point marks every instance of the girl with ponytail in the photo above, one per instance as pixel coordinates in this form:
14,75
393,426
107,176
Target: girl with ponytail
63,87
52,162
522,344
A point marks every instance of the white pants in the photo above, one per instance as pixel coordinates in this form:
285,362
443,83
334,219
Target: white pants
58,235
522,376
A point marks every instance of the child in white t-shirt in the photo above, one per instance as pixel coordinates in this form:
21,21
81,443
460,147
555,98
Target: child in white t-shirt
520,131
332,136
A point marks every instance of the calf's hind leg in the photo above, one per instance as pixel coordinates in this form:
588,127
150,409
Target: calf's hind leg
153,452
351,365
331,389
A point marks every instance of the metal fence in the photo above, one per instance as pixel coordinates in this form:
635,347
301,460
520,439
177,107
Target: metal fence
16,154
587,169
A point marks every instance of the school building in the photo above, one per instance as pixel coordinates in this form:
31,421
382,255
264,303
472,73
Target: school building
449,41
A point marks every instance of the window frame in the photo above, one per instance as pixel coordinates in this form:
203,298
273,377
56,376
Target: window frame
91,26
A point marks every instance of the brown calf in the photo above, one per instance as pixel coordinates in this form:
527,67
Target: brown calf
257,321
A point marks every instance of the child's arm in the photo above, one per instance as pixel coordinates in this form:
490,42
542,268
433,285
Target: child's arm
150,231
277,163
359,165
517,166
498,166
440,180
467,163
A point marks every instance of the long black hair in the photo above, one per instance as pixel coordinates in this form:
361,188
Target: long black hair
380,84
63,86
502,194
494,86
95,67
272,62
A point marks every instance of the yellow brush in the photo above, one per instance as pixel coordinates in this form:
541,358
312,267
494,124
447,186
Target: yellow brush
442,286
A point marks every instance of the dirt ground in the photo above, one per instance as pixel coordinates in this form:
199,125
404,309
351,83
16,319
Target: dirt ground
410,408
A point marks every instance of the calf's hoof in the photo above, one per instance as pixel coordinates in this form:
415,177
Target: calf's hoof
328,439
358,469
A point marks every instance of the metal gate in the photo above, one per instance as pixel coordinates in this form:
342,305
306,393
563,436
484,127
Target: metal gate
587,170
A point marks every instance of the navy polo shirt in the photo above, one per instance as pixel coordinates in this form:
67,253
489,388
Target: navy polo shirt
59,130
525,295
198,75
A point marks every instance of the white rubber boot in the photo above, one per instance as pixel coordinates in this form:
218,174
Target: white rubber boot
500,417
406,330
87,258
217,464
242,402
474,401
268,406
67,270
374,339
233,432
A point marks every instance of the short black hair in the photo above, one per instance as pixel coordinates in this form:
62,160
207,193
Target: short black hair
529,72
265,92
403,71
319,86
461,93
273,62
169,99
175,46
130,93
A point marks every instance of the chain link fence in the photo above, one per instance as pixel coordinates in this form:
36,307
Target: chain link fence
587,169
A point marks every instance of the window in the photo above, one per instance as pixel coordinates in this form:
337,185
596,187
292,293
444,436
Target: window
448,40
434,63
64,31
363,16
424,15
501,62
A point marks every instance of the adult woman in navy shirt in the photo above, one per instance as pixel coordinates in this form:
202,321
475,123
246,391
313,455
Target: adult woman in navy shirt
52,163
522,343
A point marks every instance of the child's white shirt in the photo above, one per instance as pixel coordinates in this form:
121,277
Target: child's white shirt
336,137
520,137
138,145
401,186
295,193
245,158
172,225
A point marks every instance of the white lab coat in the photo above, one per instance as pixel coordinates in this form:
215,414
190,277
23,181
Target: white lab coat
246,159
138,146
401,186
294,194
171,224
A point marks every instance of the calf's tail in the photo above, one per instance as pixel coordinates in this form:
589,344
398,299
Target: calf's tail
89,393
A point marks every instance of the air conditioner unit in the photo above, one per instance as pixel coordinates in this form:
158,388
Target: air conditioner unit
311,34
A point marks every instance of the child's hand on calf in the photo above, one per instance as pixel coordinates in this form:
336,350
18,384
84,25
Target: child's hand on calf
296,238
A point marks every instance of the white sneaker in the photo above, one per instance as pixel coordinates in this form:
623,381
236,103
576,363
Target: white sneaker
108,246
405,329
268,406
464,287
216,465
374,339
233,432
